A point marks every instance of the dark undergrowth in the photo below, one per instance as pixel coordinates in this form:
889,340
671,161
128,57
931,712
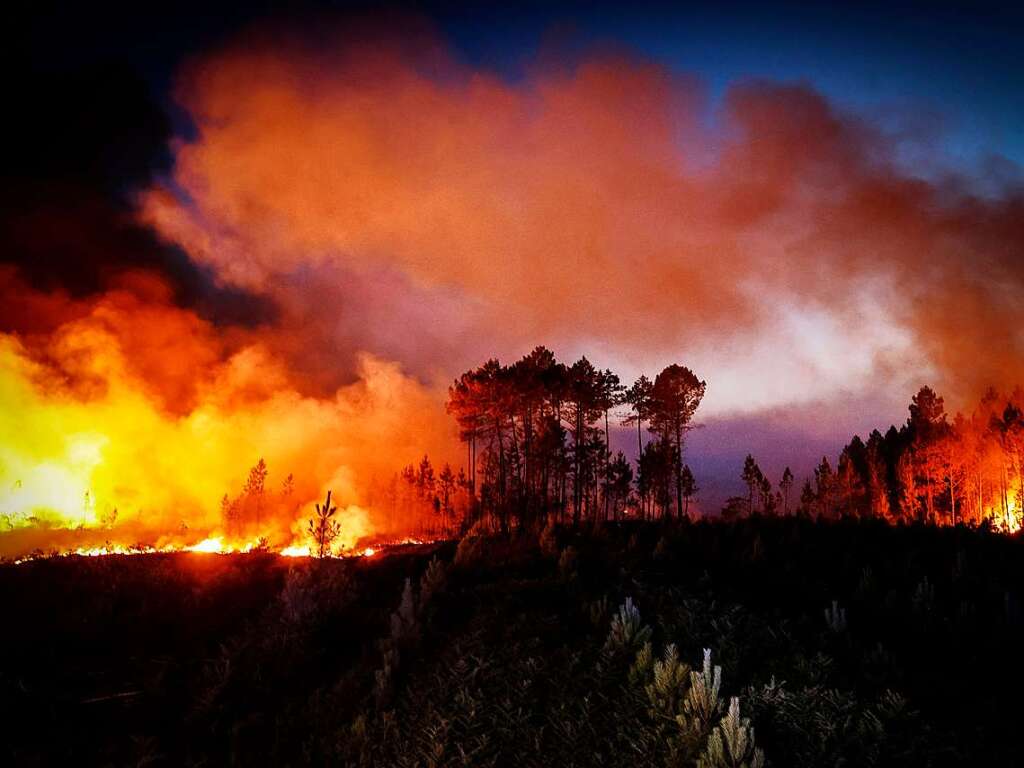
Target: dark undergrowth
843,644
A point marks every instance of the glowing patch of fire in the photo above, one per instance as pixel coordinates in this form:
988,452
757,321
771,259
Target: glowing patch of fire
215,545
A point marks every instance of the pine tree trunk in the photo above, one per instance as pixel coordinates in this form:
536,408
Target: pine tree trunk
928,478
577,500
1020,479
607,462
952,499
679,471
639,455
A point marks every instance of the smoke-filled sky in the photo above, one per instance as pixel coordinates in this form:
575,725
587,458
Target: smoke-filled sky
818,212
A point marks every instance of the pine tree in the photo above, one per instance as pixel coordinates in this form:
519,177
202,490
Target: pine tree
676,395
689,488
640,398
808,500
785,486
627,630
752,477
322,529
824,480
255,488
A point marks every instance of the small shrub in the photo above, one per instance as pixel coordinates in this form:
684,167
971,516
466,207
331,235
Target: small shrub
702,704
384,678
661,549
924,597
567,563
731,744
640,670
548,540
313,591
669,684
433,581
835,618
627,631
323,529
404,623
470,551
598,611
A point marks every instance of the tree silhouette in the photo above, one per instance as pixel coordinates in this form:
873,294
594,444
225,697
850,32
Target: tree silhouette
676,394
583,407
639,397
824,487
446,485
255,489
689,489
538,436
964,470
752,477
786,486
609,395
808,500
323,529
927,425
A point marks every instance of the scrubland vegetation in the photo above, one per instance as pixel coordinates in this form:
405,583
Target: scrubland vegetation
787,641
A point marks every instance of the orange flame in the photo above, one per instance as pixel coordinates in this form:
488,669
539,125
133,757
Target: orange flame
106,443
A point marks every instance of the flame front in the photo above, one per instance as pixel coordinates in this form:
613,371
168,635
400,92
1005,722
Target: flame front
153,450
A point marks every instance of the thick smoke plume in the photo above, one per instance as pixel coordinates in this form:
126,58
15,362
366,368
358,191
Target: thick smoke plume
590,204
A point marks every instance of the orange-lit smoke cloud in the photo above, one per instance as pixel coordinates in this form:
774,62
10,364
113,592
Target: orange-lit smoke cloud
588,205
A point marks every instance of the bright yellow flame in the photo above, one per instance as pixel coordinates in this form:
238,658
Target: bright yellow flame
217,545
1013,522
213,544
90,446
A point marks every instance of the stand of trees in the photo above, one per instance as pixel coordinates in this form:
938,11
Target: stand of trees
421,501
538,449
537,436
257,512
934,469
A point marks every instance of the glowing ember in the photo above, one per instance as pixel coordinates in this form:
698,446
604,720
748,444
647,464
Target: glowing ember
369,552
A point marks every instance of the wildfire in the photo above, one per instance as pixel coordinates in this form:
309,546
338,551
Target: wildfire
1013,519
115,550
133,421
216,545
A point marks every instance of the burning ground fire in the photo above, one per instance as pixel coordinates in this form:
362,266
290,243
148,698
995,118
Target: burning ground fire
217,546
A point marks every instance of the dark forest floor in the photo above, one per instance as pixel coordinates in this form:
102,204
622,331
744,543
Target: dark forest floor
504,651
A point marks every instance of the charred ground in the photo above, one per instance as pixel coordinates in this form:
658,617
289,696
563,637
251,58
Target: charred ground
848,642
